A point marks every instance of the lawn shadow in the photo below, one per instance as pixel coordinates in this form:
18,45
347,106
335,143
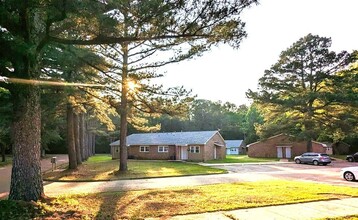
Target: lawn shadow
126,205
108,207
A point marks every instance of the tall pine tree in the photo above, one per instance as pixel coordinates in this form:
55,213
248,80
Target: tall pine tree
26,27
298,90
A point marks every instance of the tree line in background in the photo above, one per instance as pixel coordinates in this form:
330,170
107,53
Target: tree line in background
74,71
82,48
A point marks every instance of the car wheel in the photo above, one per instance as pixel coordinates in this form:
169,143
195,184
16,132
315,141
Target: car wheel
350,159
349,176
315,162
298,161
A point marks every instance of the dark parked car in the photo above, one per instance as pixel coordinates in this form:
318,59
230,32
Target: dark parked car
352,158
313,158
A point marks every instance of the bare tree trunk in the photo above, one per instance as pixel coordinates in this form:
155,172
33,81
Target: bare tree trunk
90,144
309,145
123,154
89,148
71,139
26,176
94,144
309,125
82,134
90,138
86,141
77,138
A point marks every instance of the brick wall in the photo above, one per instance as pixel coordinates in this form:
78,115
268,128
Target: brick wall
206,151
196,156
268,148
153,153
210,147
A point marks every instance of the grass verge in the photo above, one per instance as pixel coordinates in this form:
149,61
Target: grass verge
242,159
179,200
342,157
102,167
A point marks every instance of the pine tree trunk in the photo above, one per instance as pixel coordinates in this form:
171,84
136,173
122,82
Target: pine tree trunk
86,142
82,127
86,146
26,176
94,144
309,146
123,167
77,138
90,144
85,150
71,139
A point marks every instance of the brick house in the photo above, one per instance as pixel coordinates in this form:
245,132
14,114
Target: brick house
192,146
282,146
235,147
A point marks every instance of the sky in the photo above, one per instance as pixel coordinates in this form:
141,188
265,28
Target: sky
225,74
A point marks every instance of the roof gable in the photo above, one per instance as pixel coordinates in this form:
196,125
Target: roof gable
233,143
275,136
169,138
282,134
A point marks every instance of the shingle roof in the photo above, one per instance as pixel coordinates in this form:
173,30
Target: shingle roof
233,143
170,138
282,134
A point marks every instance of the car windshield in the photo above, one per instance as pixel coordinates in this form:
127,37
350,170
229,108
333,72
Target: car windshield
324,155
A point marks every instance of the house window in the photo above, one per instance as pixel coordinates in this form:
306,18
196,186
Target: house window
144,149
233,149
194,149
163,149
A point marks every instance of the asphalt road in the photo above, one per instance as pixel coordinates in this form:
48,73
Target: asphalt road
329,174
237,173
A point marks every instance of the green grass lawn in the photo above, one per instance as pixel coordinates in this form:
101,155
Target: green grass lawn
8,161
176,201
342,157
242,159
102,167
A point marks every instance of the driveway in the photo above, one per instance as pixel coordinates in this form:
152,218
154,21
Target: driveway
237,173
329,174
5,172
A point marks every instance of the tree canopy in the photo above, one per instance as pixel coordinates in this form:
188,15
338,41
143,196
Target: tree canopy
27,27
303,91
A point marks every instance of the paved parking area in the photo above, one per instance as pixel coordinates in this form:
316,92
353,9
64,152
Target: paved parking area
324,174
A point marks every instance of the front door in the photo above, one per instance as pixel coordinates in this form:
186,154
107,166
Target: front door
288,152
184,153
279,152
